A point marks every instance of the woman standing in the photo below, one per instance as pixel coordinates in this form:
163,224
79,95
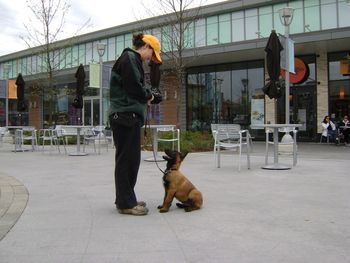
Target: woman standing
128,103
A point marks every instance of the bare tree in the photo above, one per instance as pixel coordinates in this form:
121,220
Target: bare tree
176,24
44,29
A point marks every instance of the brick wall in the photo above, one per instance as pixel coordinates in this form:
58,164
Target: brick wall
35,111
169,106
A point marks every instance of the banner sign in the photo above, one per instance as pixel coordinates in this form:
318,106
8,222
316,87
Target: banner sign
94,72
257,114
290,44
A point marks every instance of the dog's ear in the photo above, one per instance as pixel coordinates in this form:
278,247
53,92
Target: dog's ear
183,155
166,157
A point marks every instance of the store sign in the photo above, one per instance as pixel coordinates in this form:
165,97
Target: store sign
301,70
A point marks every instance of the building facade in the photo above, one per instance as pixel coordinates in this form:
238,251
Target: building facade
225,69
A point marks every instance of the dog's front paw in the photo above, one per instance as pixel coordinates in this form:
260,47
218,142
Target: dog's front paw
163,210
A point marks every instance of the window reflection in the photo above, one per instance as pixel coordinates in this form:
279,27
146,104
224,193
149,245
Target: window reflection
223,94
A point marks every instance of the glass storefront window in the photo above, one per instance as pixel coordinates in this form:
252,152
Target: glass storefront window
222,94
276,18
199,33
82,51
344,11
88,52
128,40
212,30
328,14
237,26
265,21
297,25
111,49
167,35
75,57
105,54
68,57
62,58
119,46
189,35
224,28
251,24
29,65
339,88
312,15
23,66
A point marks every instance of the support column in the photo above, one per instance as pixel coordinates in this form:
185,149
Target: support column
322,88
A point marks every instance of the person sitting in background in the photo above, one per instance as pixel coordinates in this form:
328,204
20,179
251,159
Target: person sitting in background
329,129
344,132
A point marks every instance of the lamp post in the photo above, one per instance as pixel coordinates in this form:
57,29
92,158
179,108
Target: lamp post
101,47
6,76
286,17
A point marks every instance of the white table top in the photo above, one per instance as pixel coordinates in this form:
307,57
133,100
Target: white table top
275,125
76,126
155,126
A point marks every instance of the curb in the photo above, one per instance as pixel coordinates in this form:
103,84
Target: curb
13,200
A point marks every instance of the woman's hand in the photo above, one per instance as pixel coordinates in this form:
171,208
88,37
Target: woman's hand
149,101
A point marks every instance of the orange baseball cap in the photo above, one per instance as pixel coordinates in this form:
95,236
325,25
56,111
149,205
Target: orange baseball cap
155,45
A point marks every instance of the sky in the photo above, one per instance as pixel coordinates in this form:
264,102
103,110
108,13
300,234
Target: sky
100,14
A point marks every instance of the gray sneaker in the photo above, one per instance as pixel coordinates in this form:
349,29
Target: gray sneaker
136,211
141,203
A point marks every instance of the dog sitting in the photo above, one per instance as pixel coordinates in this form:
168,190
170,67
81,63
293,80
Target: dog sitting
178,186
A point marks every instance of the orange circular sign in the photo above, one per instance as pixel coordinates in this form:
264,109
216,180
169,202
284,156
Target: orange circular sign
301,72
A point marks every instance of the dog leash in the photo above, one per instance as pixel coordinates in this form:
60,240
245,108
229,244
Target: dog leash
145,137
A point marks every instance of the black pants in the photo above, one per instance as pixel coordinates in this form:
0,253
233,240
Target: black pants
127,162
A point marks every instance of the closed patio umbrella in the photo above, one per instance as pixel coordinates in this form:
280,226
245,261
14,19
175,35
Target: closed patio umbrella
80,76
21,104
273,58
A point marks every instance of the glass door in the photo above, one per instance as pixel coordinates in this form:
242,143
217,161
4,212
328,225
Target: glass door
91,111
303,111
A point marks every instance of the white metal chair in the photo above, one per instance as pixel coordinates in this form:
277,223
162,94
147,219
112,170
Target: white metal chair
293,143
58,136
30,134
230,137
163,136
25,134
3,131
95,135
49,135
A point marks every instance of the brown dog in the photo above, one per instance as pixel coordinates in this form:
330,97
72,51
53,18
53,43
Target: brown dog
178,186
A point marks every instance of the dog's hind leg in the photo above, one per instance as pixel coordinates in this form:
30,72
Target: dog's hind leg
182,205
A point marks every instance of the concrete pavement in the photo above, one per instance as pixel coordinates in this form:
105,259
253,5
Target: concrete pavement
256,215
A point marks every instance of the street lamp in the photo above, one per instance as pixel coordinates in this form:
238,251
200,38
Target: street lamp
101,47
6,76
286,17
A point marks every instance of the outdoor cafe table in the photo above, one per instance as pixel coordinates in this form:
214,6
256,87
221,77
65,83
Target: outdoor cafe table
78,128
276,165
154,127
